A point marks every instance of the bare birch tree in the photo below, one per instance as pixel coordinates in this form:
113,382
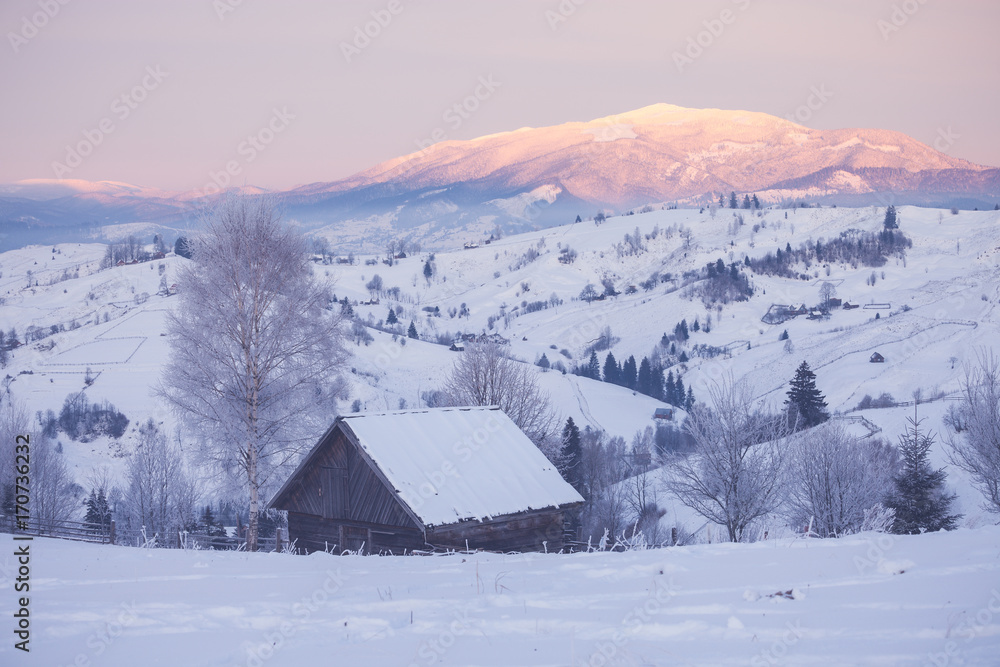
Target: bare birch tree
256,348
736,473
159,494
486,374
835,477
976,447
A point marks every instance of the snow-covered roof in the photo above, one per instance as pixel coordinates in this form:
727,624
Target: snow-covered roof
454,464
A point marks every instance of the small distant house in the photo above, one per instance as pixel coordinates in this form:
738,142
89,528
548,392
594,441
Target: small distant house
876,358
174,288
850,306
435,478
663,413
815,315
469,245
834,302
457,346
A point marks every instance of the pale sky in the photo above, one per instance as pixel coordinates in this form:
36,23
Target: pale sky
276,70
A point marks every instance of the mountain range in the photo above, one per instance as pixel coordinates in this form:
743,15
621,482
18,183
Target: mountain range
537,177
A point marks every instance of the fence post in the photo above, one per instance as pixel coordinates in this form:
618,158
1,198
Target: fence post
277,539
180,540
112,535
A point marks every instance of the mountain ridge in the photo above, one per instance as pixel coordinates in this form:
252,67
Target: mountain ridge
657,154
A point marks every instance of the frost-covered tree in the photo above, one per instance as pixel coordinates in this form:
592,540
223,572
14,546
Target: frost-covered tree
890,221
571,455
976,447
411,332
486,374
918,494
256,349
736,472
835,477
158,495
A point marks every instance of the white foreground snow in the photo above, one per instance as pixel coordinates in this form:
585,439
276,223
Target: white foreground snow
866,600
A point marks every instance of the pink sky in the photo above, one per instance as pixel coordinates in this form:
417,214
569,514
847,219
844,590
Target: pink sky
196,86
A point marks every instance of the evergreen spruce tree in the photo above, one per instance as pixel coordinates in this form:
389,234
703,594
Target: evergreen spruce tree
805,404
689,400
98,510
732,200
593,367
890,222
644,379
611,369
412,331
755,202
543,362
572,456
918,493
657,382
746,201
696,326
391,317
628,373
784,335
670,389
428,271
679,395
683,358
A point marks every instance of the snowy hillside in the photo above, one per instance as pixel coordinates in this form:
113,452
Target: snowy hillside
870,599
933,309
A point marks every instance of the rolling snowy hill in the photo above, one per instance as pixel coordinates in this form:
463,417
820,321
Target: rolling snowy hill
926,315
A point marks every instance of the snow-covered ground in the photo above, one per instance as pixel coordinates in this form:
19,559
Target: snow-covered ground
929,599
942,305
871,599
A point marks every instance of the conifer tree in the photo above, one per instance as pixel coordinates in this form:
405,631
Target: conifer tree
679,395
805,403
611,369
629,370
918,493
890,221
391,317
732,200
644,380
670,389
689,400
412,331
593,367
572,455
428,271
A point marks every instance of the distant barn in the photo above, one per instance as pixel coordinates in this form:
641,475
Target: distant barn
876,358
663,413
436,478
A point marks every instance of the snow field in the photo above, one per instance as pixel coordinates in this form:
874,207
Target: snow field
871,599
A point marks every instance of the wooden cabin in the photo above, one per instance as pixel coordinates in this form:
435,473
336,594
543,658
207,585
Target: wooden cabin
435,478
876,358
663,413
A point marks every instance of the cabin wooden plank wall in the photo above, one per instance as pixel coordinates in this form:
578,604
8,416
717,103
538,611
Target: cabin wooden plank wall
314,533
519,532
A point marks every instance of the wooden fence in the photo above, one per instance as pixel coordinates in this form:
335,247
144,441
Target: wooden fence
111,534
